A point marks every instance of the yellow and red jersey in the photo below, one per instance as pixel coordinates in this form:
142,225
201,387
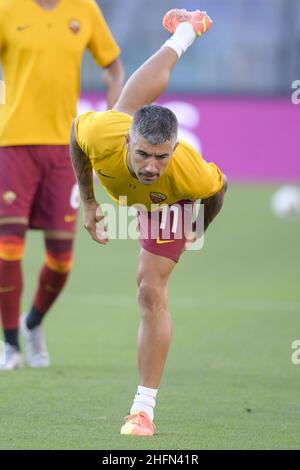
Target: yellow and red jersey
101,136
41,52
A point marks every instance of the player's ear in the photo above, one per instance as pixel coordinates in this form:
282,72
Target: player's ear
175,146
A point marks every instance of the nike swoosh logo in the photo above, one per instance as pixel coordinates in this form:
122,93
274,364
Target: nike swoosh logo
106,176
69,218
161,242
21,28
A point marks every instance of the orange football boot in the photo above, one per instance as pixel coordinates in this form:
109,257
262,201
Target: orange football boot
200,21
138,424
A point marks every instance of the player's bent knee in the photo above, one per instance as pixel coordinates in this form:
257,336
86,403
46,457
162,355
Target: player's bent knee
151,297
12,241
59,235
59,263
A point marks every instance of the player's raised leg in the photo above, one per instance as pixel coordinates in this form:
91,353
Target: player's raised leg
154,339
151,79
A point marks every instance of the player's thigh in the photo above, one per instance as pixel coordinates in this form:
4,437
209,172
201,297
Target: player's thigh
19,180
154,269
58,200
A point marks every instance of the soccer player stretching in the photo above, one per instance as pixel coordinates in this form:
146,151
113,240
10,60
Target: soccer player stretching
41,48
134,150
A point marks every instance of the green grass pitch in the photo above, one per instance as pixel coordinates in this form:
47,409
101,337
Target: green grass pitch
229,382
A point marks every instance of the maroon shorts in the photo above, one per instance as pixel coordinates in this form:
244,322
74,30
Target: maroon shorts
38,182
166,231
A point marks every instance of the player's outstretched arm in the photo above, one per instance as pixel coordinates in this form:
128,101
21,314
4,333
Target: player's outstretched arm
83,169
214,204
93,217
212,207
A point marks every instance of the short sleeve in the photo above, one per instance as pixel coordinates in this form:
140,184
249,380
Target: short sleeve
84,131
99,134
102,44
194,177
211,181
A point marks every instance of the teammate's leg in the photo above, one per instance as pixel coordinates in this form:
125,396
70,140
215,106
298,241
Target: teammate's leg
55,212
154,337
151,79
12,240
53,276
18,182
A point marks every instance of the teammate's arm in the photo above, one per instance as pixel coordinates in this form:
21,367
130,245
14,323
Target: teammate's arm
93,217
113,78
106,53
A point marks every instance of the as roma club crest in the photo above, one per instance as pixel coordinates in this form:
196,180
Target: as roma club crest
74,26
9,197
157,197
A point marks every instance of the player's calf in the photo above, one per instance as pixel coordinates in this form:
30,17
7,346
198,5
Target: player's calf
11,283
53,277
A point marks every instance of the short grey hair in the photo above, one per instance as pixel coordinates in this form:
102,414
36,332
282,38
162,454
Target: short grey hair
156,124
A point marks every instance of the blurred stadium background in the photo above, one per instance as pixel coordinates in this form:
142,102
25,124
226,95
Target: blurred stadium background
229,381
253,47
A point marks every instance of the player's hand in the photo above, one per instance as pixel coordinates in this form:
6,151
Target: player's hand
94,222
